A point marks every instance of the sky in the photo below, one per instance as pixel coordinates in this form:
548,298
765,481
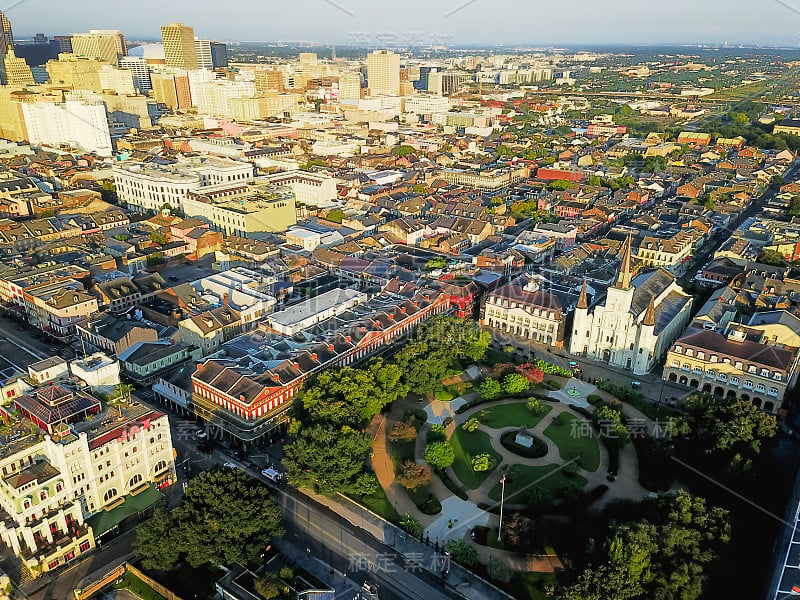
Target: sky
426,22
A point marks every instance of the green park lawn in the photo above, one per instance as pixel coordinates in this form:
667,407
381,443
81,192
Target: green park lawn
466,445
548,477
573,440
512,415
378,503
531,585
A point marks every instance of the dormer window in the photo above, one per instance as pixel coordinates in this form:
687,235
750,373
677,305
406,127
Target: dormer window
43,495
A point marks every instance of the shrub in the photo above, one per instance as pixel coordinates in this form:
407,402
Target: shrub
431,506
463,553
414,475
490,389
535,406
452,485
549,369
415,414
443,395
498,570
402,432
471,425
594,400
286,573
411,525
482,462
515,383
440,454
437,433
531,372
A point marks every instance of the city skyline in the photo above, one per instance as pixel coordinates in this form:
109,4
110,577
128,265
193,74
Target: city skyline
453,22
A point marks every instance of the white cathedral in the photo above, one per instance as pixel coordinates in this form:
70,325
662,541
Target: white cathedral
640,319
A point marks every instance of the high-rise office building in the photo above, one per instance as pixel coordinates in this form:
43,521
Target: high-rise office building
219,55
269,80
138,68
17,70
383,73
179,47
101,45
203,50
63,44
349,86
6,42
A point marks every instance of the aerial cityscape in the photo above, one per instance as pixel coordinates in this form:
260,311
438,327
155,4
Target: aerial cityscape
324,301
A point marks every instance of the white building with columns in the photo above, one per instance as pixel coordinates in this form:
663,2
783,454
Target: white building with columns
638,321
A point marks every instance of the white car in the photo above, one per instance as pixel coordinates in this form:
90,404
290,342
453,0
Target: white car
201,434
230,465
272,475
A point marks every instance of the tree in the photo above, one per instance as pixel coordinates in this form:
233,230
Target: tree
471,425
326,458
440,454
403,151
535,406
158,238
720,427
611,425
741,119
414,475
490,389
435,350
224,517
335,216
771,257
437,262
351,396
498,570
561,185
402,432
532,373
122,392
514,383
270,586
153,543
482,462
463,553
518,531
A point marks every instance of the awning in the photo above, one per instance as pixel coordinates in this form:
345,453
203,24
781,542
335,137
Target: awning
106,521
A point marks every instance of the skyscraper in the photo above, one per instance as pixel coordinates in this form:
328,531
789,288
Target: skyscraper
106,46
349,86
219,55
17,70
383,73
179,46
6,41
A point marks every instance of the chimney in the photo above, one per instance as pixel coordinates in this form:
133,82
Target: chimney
403,309
349,340
199,367
314,356
416,303
226,299
330,348
241,398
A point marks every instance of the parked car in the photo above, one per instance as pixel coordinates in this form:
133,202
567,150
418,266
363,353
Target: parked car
636,384
201,434
273,475
230,465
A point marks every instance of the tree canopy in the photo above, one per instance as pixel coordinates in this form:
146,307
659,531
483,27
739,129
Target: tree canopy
224,517
327,459
663,556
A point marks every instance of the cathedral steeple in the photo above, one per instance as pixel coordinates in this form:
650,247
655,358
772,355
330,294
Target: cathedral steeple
626,269
583,300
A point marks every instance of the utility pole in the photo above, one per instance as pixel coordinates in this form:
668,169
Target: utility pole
502,499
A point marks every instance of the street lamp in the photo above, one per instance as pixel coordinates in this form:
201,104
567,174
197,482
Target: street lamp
502,499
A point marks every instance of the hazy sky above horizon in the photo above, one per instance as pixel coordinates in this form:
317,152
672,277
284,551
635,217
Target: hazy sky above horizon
424,22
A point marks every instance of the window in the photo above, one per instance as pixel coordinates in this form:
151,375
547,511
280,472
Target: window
43,495
84,546
160,466
772,391
760,387
112,493
734,381
59,487
135,480
53,565
26,504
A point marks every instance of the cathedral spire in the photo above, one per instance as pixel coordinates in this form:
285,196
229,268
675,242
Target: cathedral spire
650,315
583,301
626,269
